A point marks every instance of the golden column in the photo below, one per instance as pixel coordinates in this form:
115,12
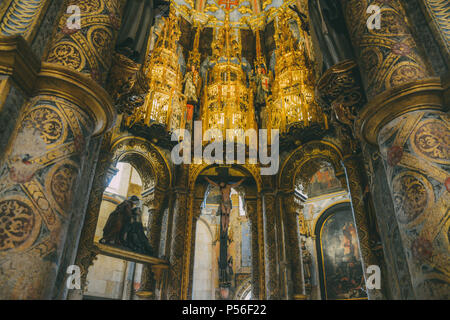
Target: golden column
41,172
405,118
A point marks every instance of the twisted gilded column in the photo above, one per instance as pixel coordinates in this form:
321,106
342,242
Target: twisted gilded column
405,118
42,168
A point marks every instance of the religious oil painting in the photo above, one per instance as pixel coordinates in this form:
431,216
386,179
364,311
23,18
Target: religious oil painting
341,266
324,181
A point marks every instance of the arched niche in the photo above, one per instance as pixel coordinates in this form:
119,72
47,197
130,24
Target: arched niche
148,159
296,179
106,268
251,188
341,272
300,166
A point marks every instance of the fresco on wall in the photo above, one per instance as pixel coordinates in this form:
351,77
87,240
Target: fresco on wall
324,181
341,264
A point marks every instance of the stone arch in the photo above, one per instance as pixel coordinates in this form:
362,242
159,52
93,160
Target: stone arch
243,290
152,164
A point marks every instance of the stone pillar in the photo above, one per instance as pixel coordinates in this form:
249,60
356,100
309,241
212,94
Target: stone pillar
356,183
387,57
252,214
197,211
289,211
86,254
404,118
169,223
270,247
177,246
41,172
341,94
154,200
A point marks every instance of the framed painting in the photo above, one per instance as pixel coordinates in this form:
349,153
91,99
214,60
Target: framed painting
340,269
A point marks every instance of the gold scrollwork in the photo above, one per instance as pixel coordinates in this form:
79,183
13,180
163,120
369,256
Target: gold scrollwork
19,225
431,140
47,121
413,194
66,54
59,184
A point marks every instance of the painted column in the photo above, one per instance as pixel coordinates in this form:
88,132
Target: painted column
290,213
86,254
270,247
20,21
197,211
177,246
154,201
405,118
41,174
356,183
252,214
436,12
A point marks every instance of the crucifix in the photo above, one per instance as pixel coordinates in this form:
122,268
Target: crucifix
225,206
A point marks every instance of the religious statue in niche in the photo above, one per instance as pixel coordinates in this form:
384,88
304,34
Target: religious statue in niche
124,228
261,79
239,59
261,83
192,82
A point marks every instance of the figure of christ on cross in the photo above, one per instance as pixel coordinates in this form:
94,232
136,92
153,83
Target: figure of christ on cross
228,3
225,202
